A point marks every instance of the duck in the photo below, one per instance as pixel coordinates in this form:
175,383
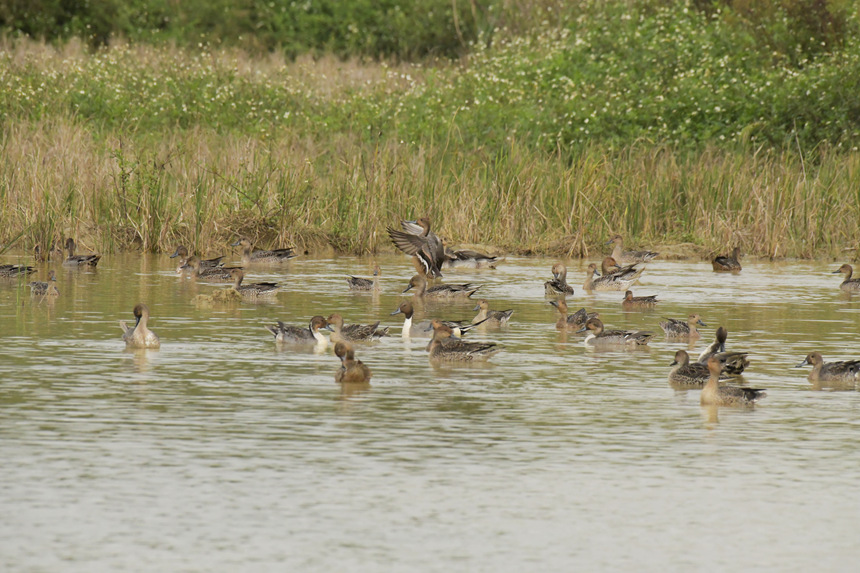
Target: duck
844,371
353,332
686,373
55,252
675,328
139,336
417,239
289,334
623,256
728,263
444,347
715,395
11,271
419,283
357,283
249,255
558,285
632,302
597,336
209,273
351,371
467,258
576,320
45,288
74,260
423,328
734,363
849,284
613,276
491,317
182,253
253,290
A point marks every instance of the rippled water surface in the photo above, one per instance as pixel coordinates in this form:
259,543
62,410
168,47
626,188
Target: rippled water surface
222,452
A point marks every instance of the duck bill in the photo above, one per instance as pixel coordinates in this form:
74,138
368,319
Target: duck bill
804,363
174,255
477,307
398,311
407,289
236,244
583,329
674,363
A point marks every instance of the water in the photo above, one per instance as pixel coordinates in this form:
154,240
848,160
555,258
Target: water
221,452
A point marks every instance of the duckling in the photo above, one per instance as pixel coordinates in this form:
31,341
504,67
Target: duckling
289,334
417,239
423,328
597,336
353,332
715,395
558,285
849,284
139,336
576,320
623,256
675,328
253,290
440,291
46,289
249,255
443,347
844,371
356,283
631,302
352,371
74,260
492,317
728,263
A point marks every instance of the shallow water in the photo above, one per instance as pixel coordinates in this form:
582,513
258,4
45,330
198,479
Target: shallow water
222,452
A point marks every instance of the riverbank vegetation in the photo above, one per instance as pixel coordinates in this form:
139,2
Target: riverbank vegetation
670,122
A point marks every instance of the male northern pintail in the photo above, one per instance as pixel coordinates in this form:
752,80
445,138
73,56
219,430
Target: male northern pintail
422,329
731,263
444,347
419,283
558,284
253,290
182,253
357,283
675,328
734,363
289,334
74,260
575,321
622,256
209,273
351,371
249,255
849,284
686,373
353,332
467,258
715,395
417,239
632,302
11,271
45,288
844,371
139,336
492,317
597,336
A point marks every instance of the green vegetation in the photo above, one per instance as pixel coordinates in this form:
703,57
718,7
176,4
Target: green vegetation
557,123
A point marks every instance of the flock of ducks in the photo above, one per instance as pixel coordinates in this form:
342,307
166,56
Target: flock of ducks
618,272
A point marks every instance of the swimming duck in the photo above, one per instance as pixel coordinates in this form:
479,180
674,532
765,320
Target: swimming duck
491,317
250,256
289,334
604,282
253,290
440,291
715,395
730,263
576,320
74,260
675,328
685,373
45,288
734,363
423,328
353,332
210,273
139,336
558,284
613,276
356,283
631,302
597,336
467,258
182,253
845,371
849,284
444,347
352,371
10,271
623,256
417,239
